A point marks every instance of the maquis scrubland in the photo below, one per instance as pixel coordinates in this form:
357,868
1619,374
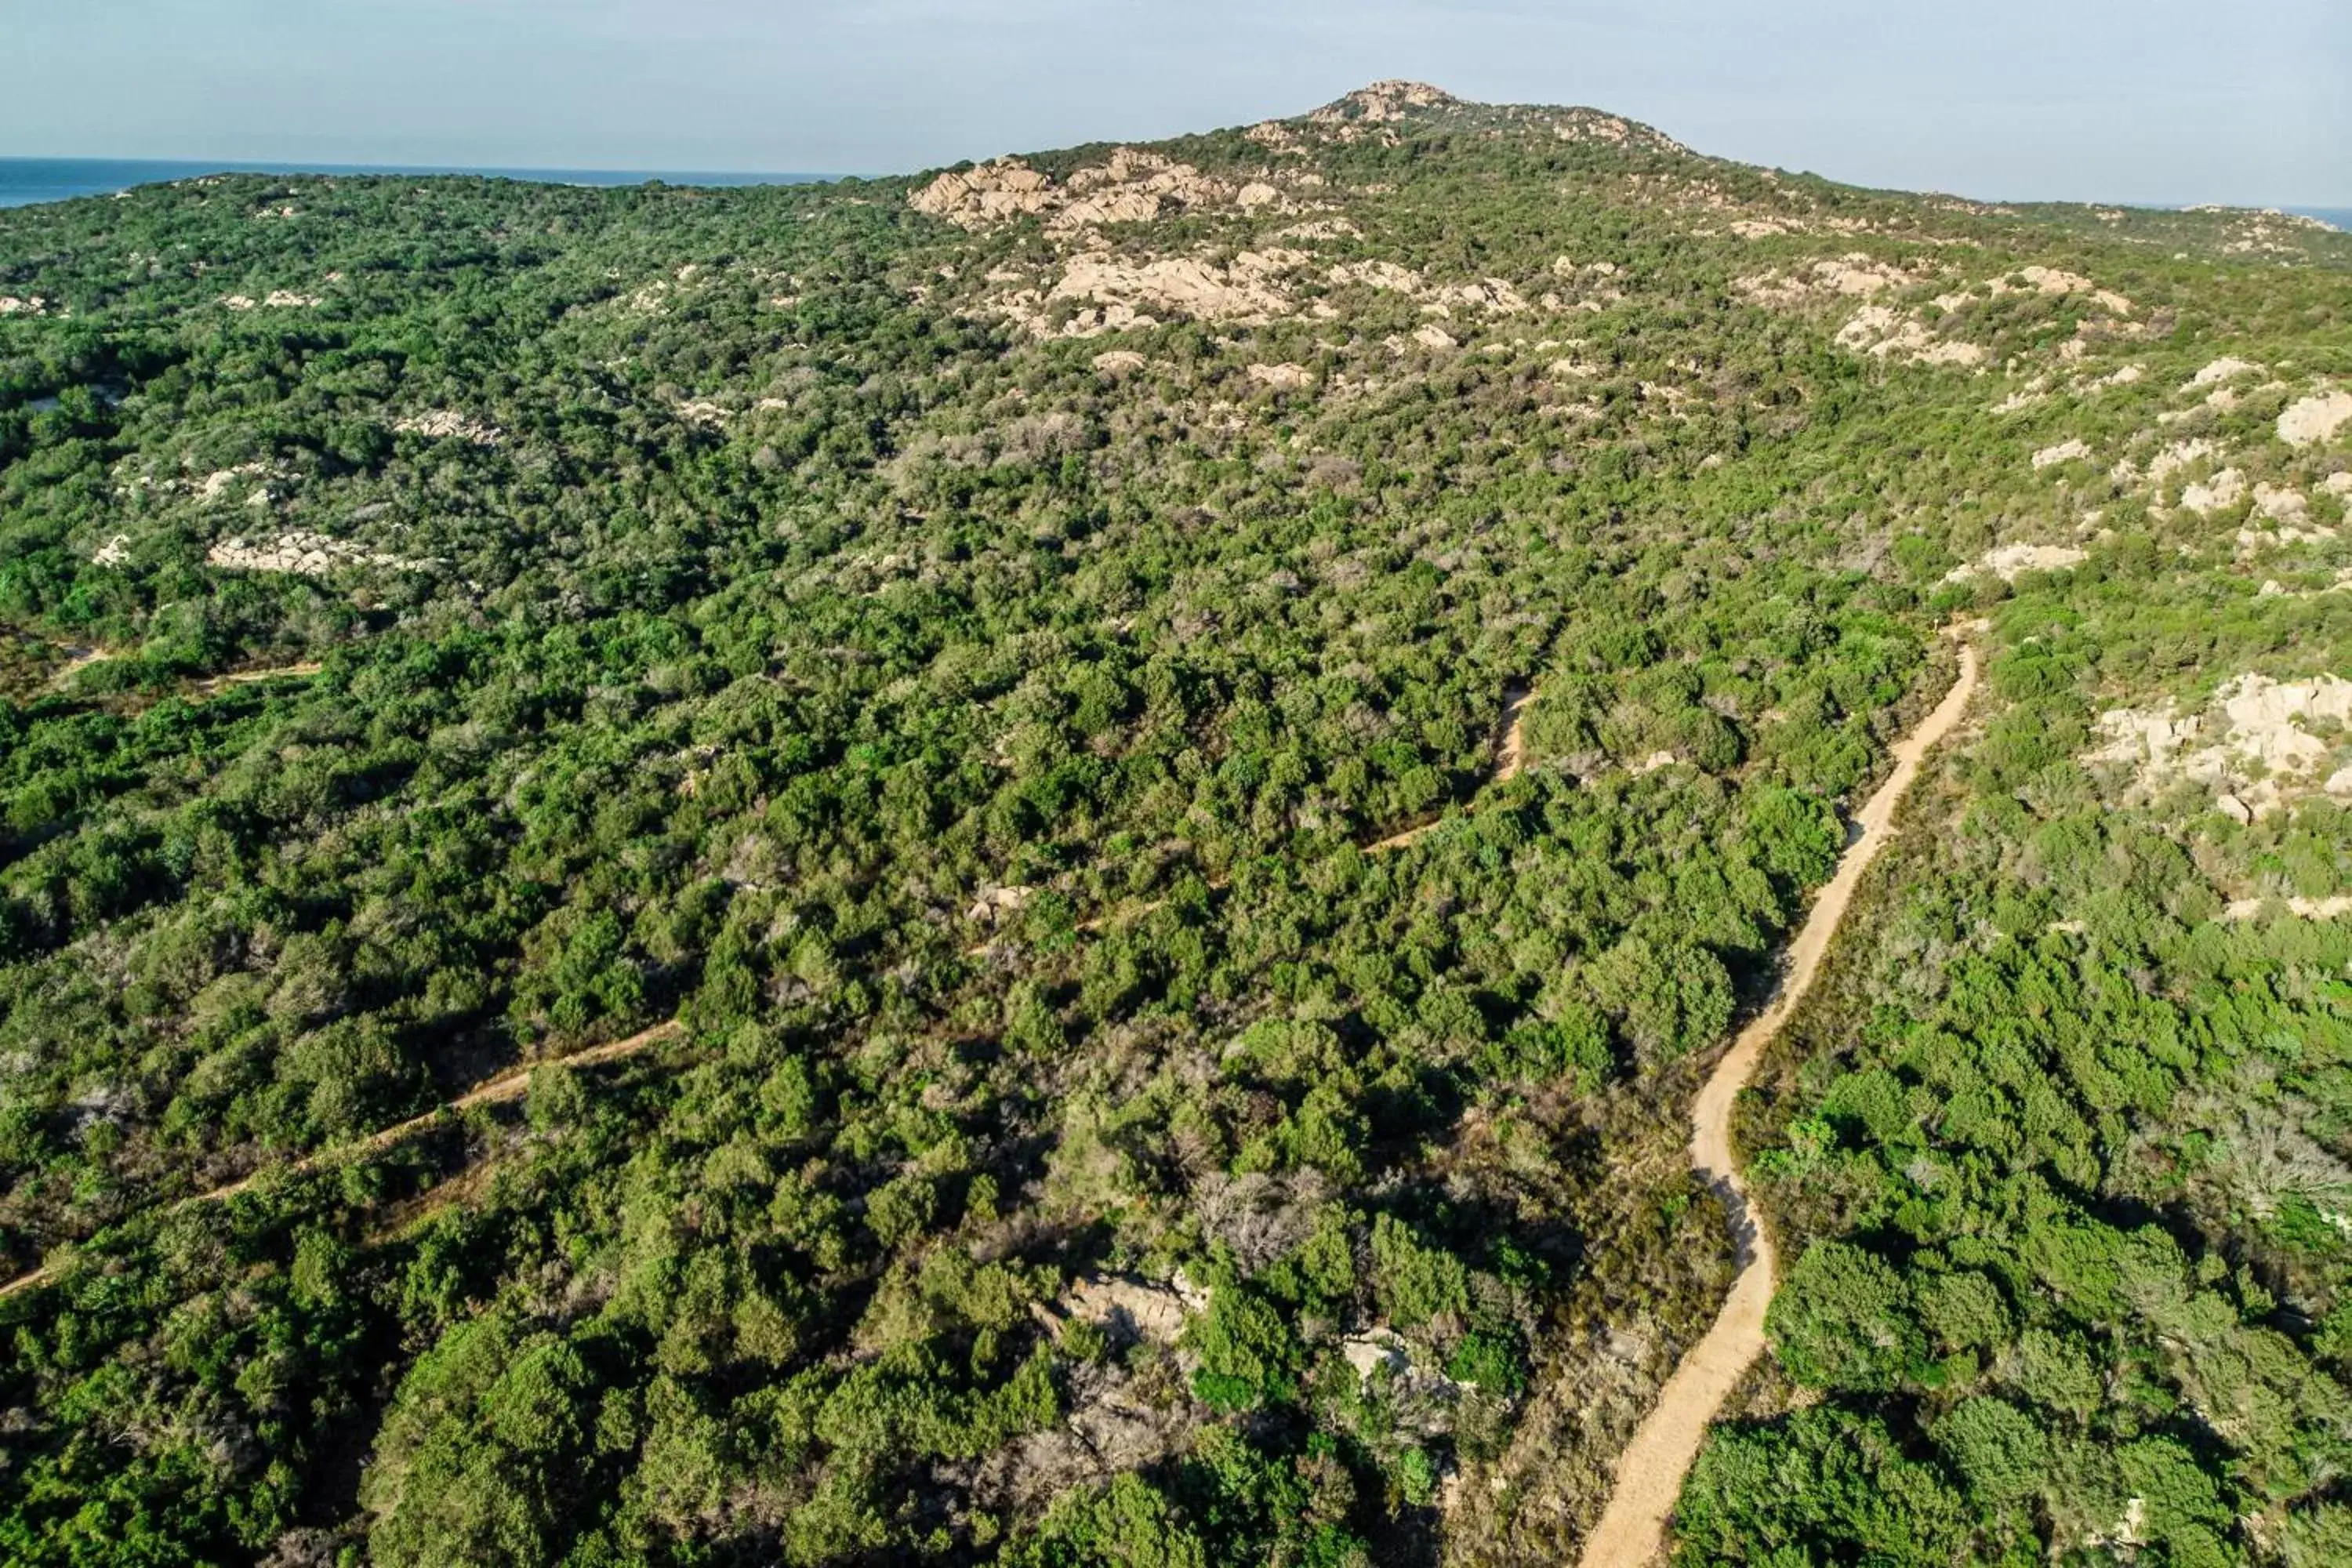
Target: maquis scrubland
1034,864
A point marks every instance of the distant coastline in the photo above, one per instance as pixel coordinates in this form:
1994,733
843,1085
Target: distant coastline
25,182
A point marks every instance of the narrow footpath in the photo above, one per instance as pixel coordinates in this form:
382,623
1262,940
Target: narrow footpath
1649,1471
506,1086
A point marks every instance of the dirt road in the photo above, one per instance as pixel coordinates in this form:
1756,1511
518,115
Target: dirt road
506,1086
1649,1471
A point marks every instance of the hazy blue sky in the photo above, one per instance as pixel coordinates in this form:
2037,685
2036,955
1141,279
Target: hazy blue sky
2153,100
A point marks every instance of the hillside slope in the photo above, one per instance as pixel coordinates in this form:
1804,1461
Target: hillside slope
960,646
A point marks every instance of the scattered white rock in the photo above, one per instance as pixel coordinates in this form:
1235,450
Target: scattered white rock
2279,503
1881,332
994,903
1385,275
1383,101
1132,186
1123,293
300,552
2314,419
2051,281
213,486
1283,377
1369,1352
448,424
2306,909
1854,275
1321,228
2009,562
2220,492
1118,361
2260,754
2065,452
115,551
1138,1308
2220,369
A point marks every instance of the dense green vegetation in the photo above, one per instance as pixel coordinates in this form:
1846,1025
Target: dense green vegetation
745,607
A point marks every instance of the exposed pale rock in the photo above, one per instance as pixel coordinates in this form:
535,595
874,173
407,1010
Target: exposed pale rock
213,486
448,424
1321,228
2279,503
2315,419
1118,361
1138,1308
1881,332
301,551
1132,186
1433,336
1384,275
1380,102
115,551
1489,294
1852,276
2177,456
1368,1353
2220,492
1282,377
2051,281
2220,369
994,903
2007,562
1248,291
2065,452
2260,754
2326,908
986,194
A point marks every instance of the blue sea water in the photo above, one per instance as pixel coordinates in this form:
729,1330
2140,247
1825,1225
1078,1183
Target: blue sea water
25,181
2340,216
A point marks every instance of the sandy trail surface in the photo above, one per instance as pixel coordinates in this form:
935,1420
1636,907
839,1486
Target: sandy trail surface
1649,1471
506,1086
1510,756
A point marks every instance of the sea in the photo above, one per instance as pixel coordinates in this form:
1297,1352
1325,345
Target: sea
25,181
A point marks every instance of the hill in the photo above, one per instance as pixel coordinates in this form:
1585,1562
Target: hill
1204,743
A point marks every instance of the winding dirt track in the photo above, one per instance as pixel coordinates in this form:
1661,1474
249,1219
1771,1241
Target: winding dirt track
509,1085
1649,1471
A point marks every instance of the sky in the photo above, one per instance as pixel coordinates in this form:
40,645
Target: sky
2246,101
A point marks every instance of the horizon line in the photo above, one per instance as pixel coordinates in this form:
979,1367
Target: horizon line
820,176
